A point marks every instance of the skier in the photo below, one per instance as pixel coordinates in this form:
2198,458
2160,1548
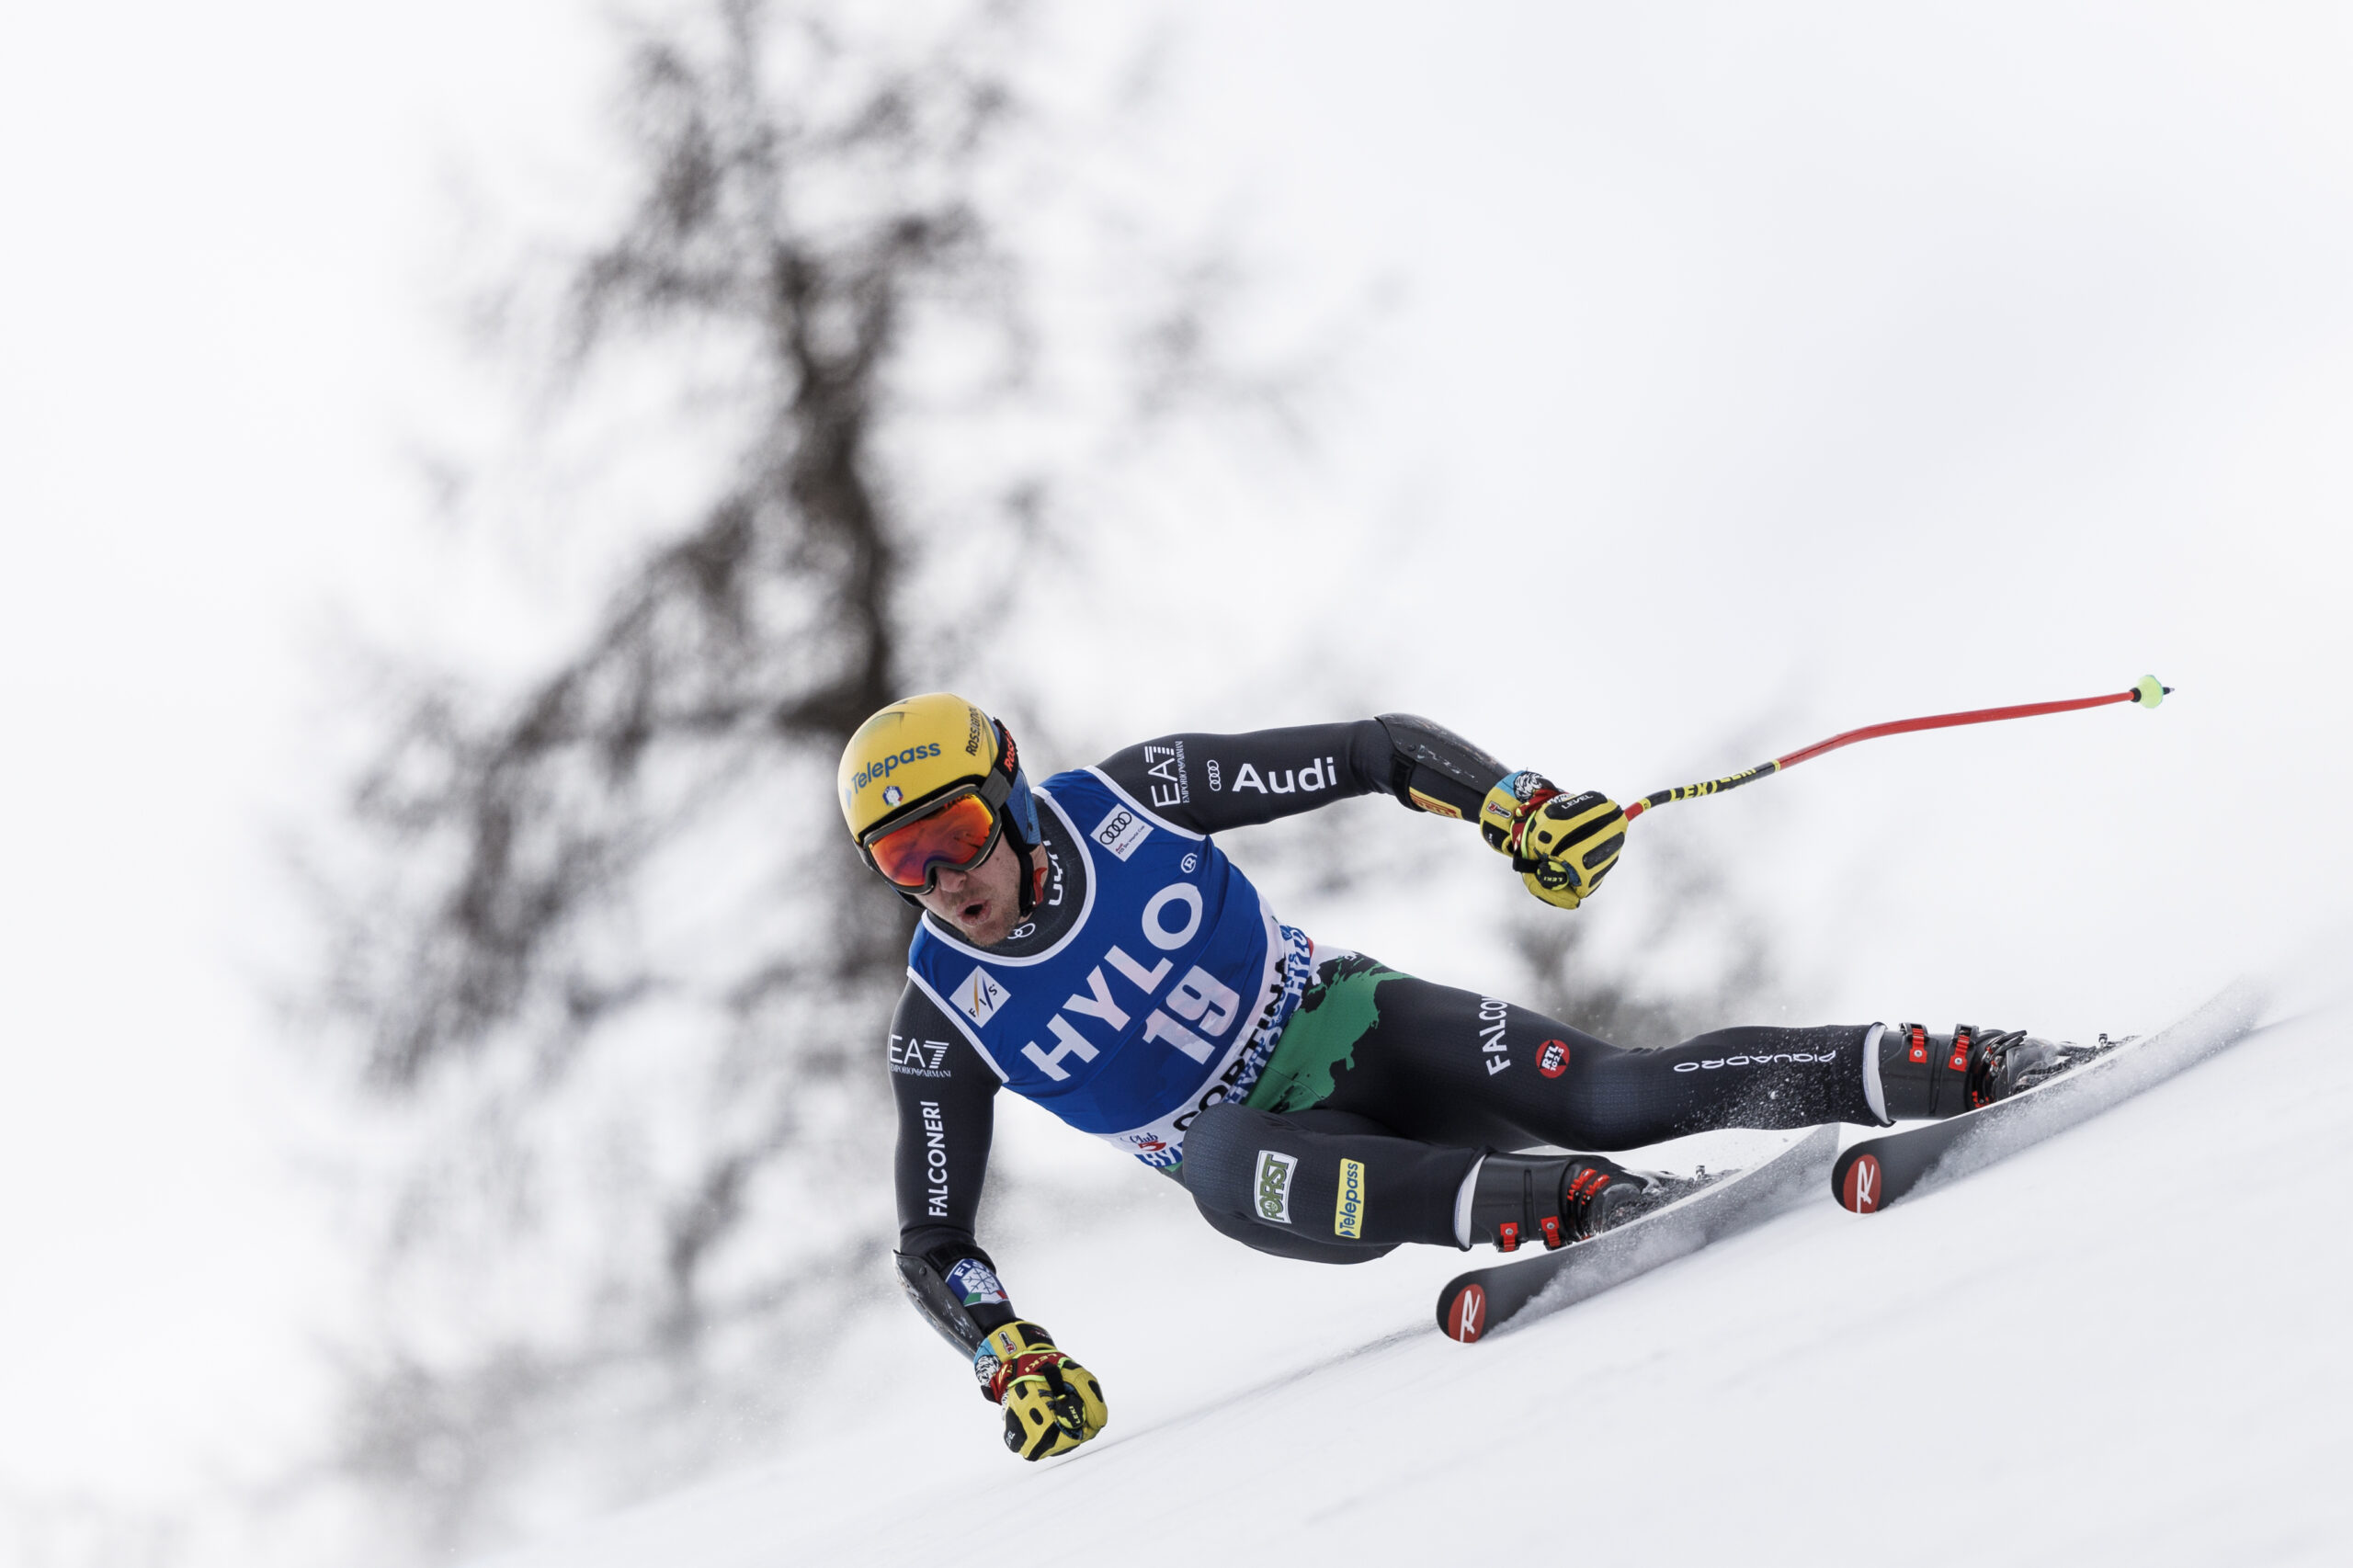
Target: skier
1086,944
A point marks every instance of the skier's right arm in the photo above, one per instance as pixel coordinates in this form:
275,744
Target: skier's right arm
944,1094
946,1097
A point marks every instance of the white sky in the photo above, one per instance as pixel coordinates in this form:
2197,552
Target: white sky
1794,367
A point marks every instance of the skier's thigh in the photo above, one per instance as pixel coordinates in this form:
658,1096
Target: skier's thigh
1244,1168
1286,1244
1321,1177
1452,1066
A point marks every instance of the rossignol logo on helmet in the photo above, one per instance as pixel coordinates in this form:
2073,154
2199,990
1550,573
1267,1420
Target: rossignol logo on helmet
881,767
1274,1186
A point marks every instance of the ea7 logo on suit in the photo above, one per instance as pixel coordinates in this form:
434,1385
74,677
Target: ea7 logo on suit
919,1058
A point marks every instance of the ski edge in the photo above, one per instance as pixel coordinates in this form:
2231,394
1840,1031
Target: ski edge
1977,1139
1740,1201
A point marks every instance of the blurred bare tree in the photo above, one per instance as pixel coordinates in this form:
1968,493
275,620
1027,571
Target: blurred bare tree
615,977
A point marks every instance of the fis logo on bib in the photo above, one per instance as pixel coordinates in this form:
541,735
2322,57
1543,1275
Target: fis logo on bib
980,996
1274,1186
1347,1213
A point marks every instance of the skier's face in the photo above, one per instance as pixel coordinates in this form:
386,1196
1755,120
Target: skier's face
984,904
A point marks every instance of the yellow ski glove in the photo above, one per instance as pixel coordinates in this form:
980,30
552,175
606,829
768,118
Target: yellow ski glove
1560,845
1052,1403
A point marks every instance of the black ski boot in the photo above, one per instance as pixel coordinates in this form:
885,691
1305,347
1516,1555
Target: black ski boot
1557,1198
1925,1075
2014,1063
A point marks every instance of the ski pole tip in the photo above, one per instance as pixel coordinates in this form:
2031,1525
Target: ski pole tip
2148,691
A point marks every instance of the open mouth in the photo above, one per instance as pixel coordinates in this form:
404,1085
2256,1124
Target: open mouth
971,914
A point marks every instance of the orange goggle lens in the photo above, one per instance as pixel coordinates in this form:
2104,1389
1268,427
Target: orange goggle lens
951,839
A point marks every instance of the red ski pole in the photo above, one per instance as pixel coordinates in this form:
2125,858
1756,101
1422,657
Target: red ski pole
2148,692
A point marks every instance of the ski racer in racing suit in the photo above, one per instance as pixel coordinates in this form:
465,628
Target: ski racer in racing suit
1086,944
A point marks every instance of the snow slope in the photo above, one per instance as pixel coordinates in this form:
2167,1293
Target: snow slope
2128,1345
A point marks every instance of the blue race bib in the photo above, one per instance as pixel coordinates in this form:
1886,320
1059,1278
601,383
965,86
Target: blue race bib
1162,998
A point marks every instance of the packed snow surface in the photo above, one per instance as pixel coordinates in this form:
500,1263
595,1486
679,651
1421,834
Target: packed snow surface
2129,1344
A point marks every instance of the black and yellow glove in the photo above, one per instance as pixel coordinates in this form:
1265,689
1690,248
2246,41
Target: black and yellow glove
1052,1403
1561,846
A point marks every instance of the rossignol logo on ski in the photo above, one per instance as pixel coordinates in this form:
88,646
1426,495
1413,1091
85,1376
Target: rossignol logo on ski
1861,1190
1466,1315
1274,1186
1347,1211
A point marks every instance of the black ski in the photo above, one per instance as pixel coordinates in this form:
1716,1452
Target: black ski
1879,1171
1474,1305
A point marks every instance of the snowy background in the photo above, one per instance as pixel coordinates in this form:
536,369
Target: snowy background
1712,381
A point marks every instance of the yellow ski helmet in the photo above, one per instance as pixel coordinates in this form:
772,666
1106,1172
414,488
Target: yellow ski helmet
931,782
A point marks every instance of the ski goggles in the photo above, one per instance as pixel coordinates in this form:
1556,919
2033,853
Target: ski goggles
953,834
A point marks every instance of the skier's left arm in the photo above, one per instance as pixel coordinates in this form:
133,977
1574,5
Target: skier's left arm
1562,844
946,1097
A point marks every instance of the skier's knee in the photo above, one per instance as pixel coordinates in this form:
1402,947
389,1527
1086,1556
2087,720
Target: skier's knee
1220,1149
1242,1167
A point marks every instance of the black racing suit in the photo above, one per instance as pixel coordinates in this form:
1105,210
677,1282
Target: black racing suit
1412,1079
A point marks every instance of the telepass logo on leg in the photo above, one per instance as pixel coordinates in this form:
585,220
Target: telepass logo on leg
1347,1211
